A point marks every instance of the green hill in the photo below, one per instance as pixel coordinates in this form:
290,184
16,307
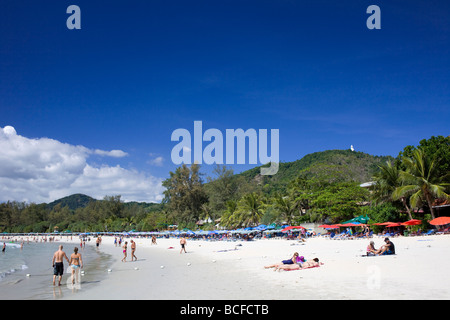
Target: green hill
73,201
79,200
355,166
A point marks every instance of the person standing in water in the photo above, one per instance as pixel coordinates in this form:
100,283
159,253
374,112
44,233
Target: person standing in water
75,262
57,263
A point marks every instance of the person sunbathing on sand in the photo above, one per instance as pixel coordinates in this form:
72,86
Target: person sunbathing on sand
306,265
293,260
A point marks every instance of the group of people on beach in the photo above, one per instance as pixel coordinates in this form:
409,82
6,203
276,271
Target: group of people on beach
295,263
133,250
75,262
386,249
298,262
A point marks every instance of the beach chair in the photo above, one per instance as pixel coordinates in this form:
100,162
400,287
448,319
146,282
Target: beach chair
330,235
429,232
341,236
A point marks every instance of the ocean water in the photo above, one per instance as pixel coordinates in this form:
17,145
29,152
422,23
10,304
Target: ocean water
27,273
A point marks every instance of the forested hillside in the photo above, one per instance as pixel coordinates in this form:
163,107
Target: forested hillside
322,186
357,166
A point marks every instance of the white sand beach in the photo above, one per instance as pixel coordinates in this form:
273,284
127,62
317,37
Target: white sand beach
221,270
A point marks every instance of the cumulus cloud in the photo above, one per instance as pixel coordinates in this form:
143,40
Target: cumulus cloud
43,170
112,153
158,161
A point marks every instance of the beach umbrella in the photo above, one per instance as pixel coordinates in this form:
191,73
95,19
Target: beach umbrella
291,228
329,226
360,219
440,221
261,227
395,224
351,224
383,223
412,222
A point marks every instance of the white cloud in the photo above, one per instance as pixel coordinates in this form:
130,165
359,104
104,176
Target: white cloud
43,170
112,153
158,161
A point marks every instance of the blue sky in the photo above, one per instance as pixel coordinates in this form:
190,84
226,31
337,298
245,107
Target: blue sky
138,70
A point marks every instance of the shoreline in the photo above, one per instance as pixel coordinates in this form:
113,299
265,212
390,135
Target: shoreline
234,270
222,270
34,280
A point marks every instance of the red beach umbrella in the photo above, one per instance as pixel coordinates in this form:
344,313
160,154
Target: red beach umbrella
395,224
383,223
440,221
292,227
329,226
350,225
413,222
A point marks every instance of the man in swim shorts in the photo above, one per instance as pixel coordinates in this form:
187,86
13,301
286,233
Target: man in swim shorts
133,250
183,245
57,263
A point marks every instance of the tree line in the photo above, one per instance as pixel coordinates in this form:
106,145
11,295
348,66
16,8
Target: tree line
109,214
322,192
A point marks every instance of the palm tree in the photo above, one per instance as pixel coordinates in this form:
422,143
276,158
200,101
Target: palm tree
386,181
228,219
250,209
421,181
286,207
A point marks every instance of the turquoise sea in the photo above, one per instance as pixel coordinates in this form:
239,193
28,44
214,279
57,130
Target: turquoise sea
27,273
